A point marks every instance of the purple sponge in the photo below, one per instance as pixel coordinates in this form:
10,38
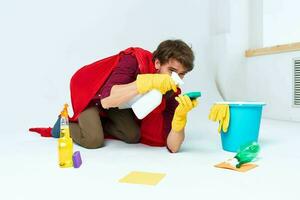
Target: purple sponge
77,159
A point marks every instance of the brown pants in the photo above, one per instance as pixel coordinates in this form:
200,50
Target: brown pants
90,129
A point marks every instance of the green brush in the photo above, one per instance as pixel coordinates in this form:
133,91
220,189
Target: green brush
193,95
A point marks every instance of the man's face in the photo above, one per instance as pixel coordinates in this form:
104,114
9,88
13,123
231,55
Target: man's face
171,66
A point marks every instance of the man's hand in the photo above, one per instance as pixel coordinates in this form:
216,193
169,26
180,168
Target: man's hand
180,116
161,82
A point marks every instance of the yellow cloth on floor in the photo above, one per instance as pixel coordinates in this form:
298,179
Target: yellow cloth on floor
220,113
243,168
145,178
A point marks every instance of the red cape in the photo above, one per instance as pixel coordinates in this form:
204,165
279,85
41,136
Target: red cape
90,78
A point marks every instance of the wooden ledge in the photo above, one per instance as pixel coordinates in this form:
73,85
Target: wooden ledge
273,49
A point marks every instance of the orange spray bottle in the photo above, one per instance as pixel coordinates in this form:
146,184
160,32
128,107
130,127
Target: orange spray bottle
65,142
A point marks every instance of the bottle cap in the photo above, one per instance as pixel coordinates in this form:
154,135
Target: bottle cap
64,112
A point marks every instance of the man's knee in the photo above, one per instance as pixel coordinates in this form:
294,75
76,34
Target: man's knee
133,137
93,142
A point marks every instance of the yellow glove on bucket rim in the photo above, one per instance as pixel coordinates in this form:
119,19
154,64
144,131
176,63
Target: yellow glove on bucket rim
220,113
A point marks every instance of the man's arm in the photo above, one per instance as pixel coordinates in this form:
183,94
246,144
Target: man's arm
120,94
174,140
176,135
124,83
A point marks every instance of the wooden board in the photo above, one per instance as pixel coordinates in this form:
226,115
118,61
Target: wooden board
273,49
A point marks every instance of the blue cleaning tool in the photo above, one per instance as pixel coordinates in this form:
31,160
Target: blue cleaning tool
193,95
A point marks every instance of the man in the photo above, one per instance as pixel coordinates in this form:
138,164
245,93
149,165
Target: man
98,89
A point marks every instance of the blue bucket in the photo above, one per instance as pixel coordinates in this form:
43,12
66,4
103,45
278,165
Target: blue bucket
244,124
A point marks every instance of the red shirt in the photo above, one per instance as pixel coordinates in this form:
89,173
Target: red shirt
125,72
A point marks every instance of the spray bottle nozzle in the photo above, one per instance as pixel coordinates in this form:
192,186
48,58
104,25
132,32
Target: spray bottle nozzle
177,79
64,112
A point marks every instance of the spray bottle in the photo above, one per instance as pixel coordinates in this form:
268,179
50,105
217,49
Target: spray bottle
142,105
65,142
246,154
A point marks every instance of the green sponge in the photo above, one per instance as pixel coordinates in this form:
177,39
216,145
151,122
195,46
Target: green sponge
193,95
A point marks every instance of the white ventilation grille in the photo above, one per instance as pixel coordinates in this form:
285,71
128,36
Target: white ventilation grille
297,82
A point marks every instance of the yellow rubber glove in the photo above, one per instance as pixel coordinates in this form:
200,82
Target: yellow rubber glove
220,113
180,115
161,82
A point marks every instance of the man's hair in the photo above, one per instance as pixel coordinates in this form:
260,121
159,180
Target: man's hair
176,49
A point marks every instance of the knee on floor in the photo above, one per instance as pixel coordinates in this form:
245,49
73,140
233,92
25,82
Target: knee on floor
133,137
93,142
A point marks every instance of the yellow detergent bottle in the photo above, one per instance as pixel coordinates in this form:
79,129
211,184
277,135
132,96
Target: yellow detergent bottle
65,142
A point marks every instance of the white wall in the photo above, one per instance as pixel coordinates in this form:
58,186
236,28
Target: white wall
281,22
44,42
228,47
270,79
264,78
